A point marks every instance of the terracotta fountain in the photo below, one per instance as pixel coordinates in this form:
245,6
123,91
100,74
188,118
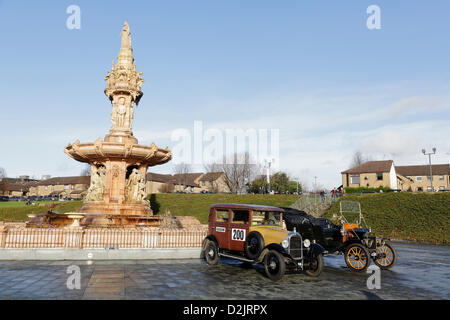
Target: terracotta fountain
117,194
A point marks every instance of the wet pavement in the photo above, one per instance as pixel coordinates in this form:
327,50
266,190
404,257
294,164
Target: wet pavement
421,272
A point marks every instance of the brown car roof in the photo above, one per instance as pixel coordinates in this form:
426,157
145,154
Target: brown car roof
246,206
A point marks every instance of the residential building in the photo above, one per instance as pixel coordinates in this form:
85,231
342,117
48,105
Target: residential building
160,183
15,187
373,174
187,182
215,182
61,187
76,187
417,178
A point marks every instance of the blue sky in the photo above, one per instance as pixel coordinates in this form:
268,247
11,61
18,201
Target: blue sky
309,68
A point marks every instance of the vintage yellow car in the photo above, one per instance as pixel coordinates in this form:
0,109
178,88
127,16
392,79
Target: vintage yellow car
256,234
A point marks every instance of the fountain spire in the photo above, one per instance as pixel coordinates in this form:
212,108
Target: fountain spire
123,89
118,163
125,57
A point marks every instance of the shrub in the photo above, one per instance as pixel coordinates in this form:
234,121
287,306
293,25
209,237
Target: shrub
366,189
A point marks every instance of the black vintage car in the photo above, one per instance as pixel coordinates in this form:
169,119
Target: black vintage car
354,240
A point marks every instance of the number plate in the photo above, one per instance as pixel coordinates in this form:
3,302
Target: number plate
238,234
220,229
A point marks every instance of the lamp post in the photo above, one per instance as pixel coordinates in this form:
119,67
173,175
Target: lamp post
268,163
296,180
431,170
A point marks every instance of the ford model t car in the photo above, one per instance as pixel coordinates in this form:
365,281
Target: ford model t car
256,234
355,240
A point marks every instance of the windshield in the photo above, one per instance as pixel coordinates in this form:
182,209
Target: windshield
266,218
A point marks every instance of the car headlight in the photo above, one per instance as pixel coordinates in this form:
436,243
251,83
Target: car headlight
306,243
285,244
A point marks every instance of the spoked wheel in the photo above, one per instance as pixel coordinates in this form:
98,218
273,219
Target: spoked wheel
386,256
274,265
357,257
316,267
212,253
254,244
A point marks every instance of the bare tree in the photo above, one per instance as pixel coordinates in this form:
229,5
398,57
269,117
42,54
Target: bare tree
212,167
2,173
86,170
358,159
239,172
182,171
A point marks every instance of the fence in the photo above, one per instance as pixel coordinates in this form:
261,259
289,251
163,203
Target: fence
101,238
314,203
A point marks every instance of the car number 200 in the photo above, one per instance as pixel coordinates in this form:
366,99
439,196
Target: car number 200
238,234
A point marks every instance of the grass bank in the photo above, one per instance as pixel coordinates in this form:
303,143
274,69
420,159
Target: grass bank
18,211
408,216
197,205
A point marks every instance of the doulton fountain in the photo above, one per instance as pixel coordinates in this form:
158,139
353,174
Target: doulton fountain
117,193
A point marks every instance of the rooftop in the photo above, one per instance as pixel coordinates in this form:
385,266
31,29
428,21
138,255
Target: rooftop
371,166
423,170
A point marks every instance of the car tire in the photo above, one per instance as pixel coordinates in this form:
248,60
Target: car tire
316,270
357,257
390,256
274,265
212,253
254,244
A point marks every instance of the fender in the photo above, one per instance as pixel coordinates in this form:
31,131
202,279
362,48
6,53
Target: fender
316,249
276,246
205,241
273,246
209,237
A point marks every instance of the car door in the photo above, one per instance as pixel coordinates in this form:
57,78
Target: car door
220,228
238,230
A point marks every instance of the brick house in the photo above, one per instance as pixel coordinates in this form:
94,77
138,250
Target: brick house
61,187
214,182
384,173
160,183
187,182
371,174
417,178
14,187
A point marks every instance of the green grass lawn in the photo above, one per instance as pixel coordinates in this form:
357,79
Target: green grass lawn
418,217
17,204
197,205
18,211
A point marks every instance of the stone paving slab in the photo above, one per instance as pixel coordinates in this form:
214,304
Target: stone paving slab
414,277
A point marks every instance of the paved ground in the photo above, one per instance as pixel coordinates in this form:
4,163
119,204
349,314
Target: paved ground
422,272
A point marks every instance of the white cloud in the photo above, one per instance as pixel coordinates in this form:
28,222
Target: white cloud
319,132
417,104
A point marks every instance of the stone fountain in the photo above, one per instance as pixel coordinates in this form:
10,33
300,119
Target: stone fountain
117,193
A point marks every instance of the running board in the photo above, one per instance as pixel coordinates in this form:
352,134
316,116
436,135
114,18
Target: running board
236,257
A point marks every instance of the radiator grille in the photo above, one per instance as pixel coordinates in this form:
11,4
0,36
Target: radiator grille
295,247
